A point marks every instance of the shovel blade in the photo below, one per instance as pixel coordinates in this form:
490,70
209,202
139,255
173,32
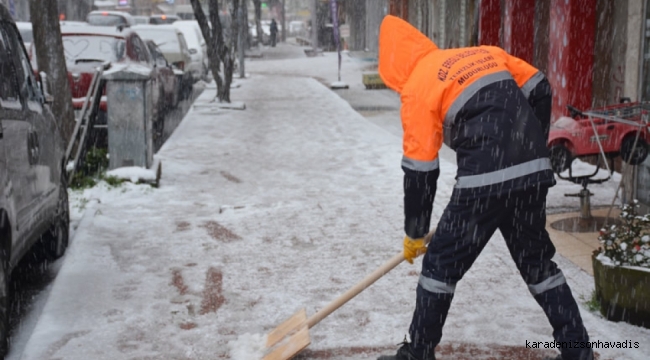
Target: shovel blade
292,324
292,346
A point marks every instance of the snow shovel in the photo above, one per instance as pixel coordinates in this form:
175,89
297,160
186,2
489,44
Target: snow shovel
292,336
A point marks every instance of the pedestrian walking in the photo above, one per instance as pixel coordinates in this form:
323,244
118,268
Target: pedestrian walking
493,109
274,32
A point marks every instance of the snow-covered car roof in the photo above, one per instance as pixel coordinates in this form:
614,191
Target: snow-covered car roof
192,32
95,30
128,18
169,39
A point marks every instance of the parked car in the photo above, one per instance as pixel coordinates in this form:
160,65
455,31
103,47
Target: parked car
162,19
141,19
197,47
86,48
298,28
572,137
34,208
167,80
110,18
172,43
266,32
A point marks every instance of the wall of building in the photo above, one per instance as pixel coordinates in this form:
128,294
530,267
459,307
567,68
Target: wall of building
638,28
540,35
635,29
610,49
375,12
420,15
356,20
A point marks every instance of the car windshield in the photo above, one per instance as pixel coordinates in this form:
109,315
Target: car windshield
105,19
161,20
78,48
167,41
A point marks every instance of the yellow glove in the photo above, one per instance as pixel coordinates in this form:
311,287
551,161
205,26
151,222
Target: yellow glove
413,248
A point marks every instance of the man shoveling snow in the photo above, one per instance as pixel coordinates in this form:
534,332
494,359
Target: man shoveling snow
493,109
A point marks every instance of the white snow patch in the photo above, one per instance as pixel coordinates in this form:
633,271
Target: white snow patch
339,85
129,67
133,174
247,347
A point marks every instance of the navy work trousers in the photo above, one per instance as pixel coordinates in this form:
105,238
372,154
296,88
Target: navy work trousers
463,231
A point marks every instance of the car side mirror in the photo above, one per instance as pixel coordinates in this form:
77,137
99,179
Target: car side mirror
45,88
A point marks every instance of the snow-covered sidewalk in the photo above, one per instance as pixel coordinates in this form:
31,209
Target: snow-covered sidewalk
260,213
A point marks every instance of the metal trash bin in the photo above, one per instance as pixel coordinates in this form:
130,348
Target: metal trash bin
129,107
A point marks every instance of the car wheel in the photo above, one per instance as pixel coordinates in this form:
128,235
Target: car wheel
187,86
561,158
56,239
158,132
640,152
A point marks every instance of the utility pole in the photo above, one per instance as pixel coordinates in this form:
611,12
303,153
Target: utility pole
314,25
242,19
284,22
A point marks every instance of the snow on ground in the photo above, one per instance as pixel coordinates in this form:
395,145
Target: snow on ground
265,211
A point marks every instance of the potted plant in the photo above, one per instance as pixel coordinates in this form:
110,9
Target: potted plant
622,268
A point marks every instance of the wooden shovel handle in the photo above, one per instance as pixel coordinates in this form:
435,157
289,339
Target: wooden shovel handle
362,285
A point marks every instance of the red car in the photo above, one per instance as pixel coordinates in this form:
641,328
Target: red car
87,47
616,128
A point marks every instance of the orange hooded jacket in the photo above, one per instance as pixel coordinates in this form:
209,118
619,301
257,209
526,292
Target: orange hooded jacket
443,80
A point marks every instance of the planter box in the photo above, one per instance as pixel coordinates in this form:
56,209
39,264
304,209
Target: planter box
372,80
623,293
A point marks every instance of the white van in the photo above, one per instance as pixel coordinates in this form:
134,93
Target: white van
197,46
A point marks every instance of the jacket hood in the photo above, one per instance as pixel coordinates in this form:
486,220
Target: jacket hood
401,46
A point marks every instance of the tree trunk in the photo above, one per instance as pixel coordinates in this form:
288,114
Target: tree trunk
49,54
213,38
242,19
258,21
230,50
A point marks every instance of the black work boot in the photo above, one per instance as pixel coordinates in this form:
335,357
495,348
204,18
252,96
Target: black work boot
405,353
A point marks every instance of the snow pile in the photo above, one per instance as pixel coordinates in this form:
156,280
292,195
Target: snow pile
133,174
